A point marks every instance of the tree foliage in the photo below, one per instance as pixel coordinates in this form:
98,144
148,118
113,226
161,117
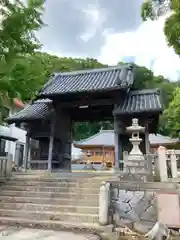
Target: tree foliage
154,8
84,130
18,24
172,115
169,124
172,27
147,10
31,72
172,23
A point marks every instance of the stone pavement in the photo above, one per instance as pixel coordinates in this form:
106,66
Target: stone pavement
17,233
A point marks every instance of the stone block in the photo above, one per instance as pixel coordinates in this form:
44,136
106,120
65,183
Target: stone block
168,207
136,198
142,205
123,207
133,216
115,193
129,195
150,214
136,205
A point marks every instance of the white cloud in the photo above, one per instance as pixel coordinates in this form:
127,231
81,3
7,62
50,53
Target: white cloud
147,44
95,22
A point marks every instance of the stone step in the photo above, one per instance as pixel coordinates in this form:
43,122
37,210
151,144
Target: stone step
50,189
76,195
50,208
42,173
53,201
52,179
48,215
54,225
54,184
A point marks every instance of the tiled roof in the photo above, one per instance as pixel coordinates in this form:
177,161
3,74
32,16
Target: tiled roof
136,102
106,138
40,109
121,77
162,140
103,138
140,101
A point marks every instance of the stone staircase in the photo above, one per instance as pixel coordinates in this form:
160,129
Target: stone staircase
51,200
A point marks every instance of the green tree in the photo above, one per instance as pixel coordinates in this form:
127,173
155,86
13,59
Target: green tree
17,36
172,23
172,115
84,130
30,72
172,27
145,79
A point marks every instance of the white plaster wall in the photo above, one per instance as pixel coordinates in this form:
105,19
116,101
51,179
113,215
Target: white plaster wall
17,133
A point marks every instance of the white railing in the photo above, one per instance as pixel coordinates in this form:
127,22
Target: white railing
161,166
167,164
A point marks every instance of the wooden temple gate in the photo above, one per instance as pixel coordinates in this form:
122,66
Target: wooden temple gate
92,95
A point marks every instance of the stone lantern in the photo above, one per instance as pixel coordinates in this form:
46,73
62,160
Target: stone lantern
136,163
89,165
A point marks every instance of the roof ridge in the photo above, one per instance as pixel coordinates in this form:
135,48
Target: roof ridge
89,80
85,139
107,130
93,136
95,70
145,91
43,100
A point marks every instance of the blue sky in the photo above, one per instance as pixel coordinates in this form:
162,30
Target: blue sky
147,46
110,31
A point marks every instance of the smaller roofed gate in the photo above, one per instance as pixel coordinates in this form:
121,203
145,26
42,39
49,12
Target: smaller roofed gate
92,95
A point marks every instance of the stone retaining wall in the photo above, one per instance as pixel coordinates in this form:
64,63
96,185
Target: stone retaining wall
141,201
134,205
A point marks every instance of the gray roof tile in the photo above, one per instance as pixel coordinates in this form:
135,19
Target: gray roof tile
136,101
106,138
121,77
162,140
140,101
40,109
103,138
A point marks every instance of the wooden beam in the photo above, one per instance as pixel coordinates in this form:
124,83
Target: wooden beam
147,144
27,148
92,95
90,102
51,143
116,141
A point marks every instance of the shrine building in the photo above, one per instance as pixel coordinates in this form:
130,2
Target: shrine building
88,95
99,148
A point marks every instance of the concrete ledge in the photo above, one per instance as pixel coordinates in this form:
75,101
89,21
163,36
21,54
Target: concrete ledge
57,225
165,187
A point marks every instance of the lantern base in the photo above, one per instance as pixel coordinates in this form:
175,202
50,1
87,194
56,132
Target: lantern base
89,166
